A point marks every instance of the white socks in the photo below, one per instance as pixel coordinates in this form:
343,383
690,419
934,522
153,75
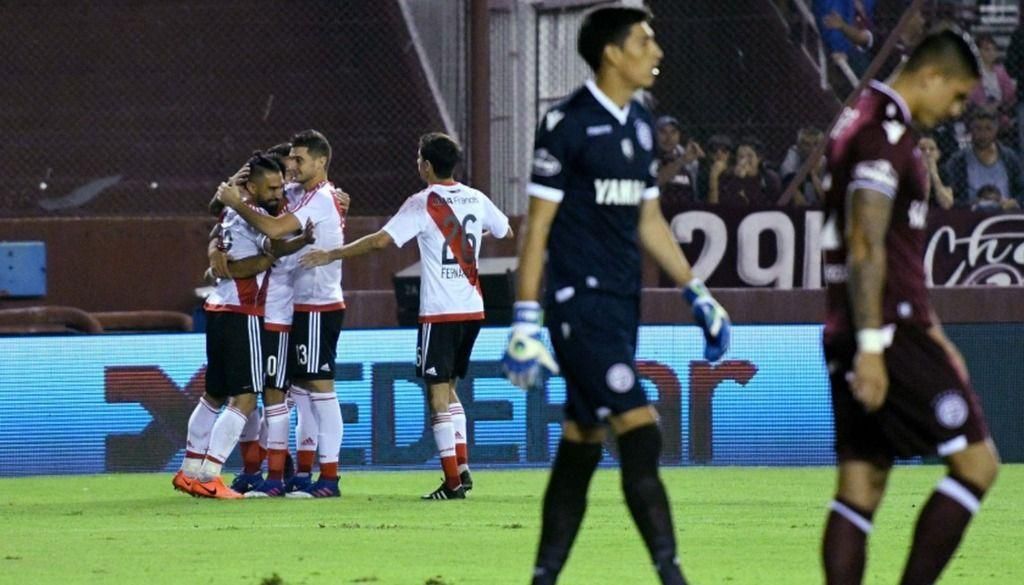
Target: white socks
277,426
223,439
444,434
331,428
200,424
306,426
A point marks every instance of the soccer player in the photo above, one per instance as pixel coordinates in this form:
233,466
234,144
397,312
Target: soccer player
319,307
448,220
899,387
277,321
234,369
593,207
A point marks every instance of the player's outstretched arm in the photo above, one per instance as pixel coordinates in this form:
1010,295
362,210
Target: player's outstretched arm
656,239
274,227
867,220
375,241
527,360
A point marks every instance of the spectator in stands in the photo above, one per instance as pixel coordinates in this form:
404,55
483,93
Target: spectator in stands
846,30
996,90
939,193
720,151
748,182
811,190
1014,66
986,162
990,200
677,164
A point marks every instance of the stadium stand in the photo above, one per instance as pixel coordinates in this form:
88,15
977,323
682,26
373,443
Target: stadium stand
148,123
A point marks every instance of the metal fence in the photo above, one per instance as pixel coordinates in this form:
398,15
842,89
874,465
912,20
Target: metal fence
141,108
114,108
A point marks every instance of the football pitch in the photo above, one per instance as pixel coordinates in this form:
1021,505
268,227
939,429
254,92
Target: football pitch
736,526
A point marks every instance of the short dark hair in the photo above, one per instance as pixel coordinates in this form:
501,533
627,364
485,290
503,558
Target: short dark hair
605,26
313,141
280,150
983,114
984,38
754,143
261,163
720,141
951,50
442,151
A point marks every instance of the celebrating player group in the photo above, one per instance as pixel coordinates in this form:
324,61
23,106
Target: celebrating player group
899,387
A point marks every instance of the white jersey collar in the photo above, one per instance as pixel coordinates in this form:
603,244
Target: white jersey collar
620,114
894,96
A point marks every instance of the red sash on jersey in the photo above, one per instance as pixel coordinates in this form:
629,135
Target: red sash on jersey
445,219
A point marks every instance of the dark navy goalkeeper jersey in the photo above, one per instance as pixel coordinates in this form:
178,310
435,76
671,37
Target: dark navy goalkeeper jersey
597,161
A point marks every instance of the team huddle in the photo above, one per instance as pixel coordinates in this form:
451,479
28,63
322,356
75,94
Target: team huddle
899,387
275,316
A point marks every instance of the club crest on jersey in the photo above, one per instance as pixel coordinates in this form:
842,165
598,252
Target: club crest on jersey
644,136
620,378
618,191
951,409
893,131
627,148
545,164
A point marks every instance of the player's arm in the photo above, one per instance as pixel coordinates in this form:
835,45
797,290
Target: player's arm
215,254
369,243
288,246
867,220
535,241
221,265
656,239
526,356
215,207
250,266
272,250
274,227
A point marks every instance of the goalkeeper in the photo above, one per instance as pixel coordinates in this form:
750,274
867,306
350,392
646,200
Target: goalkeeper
593,207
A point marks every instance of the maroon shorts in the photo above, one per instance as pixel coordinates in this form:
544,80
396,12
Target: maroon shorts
928,410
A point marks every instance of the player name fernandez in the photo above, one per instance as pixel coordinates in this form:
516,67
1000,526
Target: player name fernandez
452,272
618,191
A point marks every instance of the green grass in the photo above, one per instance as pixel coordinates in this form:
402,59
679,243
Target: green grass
736,525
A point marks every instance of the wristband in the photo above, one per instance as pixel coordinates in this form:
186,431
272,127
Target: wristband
871,341
527,312
695,290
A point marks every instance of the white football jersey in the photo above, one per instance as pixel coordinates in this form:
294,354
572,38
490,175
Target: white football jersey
280,294
318,289
239,295
448,221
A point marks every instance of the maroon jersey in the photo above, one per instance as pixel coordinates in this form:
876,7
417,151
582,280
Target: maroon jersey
874,147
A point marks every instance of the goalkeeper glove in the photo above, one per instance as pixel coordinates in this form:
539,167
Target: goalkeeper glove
710,317
527,361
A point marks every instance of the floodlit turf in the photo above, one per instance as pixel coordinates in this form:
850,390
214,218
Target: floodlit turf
737,526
